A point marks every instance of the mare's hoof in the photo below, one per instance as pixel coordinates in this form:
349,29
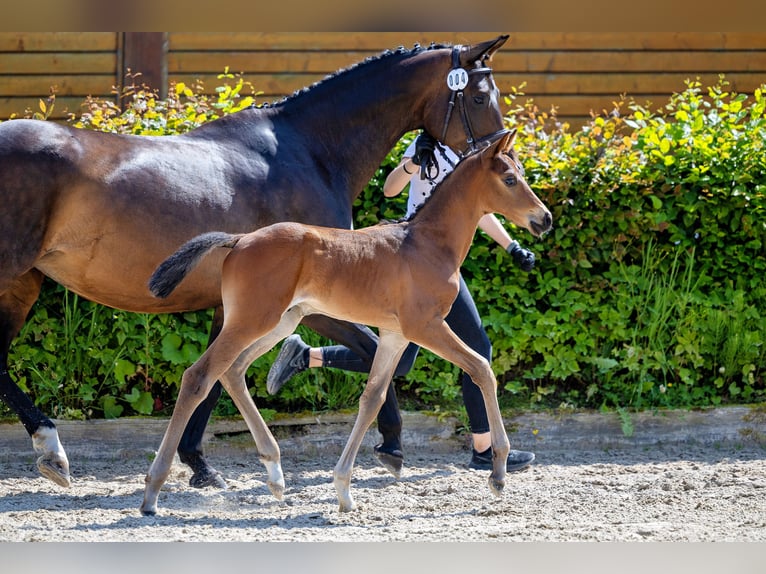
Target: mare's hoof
54,471
392,461
208,478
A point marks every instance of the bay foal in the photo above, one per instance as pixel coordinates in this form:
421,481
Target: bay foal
401,278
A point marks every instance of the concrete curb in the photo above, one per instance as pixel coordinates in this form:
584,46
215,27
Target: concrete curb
327,433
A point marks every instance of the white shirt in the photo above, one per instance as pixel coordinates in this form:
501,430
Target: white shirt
420,189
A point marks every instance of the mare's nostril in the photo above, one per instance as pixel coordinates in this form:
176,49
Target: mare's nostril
547,220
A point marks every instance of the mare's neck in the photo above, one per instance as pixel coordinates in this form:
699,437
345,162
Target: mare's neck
354,119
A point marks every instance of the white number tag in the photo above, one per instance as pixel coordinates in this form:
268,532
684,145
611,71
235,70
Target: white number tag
457,79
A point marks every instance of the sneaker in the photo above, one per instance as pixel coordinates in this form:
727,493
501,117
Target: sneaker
292,359
517,460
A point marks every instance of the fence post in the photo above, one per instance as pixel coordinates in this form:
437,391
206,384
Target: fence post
145,53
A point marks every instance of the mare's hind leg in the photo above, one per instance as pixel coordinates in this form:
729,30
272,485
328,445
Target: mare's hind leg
15,303
441,340
390,349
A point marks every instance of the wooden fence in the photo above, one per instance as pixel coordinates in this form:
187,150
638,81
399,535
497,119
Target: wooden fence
575,72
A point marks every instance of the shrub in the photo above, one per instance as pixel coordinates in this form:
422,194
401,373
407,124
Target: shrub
648,292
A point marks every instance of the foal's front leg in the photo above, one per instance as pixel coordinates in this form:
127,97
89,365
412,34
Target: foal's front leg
390,349
441,340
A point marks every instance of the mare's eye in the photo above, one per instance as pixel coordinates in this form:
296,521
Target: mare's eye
511,180
479,100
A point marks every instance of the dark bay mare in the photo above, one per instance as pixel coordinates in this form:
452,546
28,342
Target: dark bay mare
98,212
400,277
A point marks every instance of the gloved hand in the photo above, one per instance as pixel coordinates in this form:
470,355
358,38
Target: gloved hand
523,257
425,145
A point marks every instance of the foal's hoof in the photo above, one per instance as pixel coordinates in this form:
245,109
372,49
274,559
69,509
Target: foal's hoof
277,489
54,471
392,461
148,511
496,486
204,479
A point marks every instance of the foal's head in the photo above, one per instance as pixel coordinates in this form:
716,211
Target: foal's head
507,191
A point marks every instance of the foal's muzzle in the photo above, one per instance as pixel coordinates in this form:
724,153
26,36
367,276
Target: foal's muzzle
540,227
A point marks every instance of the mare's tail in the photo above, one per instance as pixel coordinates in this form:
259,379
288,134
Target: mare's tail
172,271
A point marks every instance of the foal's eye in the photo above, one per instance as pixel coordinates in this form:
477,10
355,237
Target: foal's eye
510,180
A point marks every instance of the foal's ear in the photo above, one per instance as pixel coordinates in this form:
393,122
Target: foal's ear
506,142
482,52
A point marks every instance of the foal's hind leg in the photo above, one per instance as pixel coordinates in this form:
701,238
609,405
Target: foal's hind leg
15,303
390,349
195,385
234,383
190,448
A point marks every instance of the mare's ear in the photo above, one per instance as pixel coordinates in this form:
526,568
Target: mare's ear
482,52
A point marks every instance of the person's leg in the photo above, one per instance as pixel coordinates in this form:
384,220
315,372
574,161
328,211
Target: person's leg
295,356
464,320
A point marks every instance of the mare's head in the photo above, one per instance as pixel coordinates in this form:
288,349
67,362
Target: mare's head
505,190
461,100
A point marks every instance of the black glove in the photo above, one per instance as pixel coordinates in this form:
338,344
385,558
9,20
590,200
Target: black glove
424,148
523,257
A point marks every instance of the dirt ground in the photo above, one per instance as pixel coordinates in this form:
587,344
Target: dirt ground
673,492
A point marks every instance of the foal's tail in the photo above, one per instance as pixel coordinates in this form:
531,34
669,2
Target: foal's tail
172,271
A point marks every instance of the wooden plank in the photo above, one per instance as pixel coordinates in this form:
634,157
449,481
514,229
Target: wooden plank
636,41
558,62
17,106
551,84
261,62
632,61
58,41
377,41
72,85
319,41
58,63
632,84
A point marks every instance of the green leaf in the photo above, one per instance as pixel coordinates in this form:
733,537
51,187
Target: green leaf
123,368
111,409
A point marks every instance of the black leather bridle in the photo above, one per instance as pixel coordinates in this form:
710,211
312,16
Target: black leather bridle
457,80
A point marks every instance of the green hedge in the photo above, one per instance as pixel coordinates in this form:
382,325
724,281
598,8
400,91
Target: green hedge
648,292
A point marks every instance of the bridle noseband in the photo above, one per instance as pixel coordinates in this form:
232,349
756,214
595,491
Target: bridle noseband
457,80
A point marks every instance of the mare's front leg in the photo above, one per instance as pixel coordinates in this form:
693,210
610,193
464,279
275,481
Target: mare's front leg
390,349
15,303
441,340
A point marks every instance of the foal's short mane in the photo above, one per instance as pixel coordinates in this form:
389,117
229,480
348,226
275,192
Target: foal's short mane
435,190
401,52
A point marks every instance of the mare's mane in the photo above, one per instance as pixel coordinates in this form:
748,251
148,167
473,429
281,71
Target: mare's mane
401,52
